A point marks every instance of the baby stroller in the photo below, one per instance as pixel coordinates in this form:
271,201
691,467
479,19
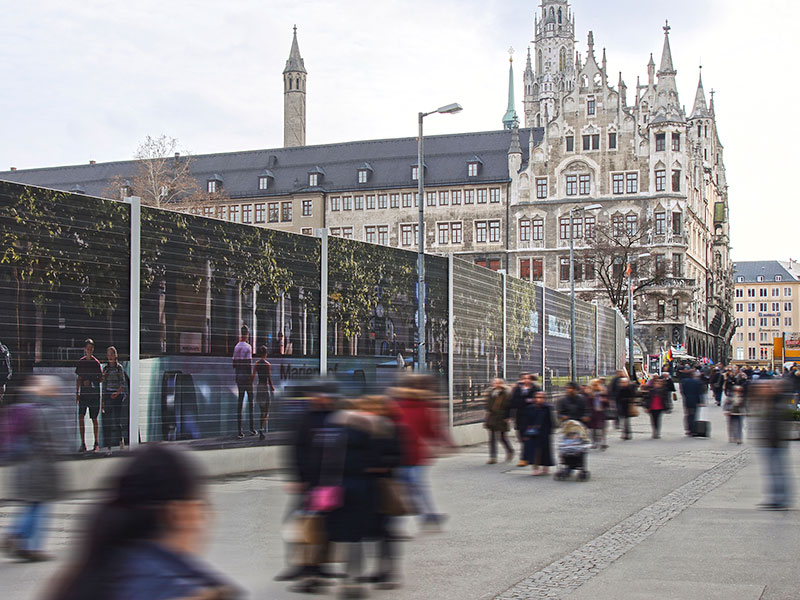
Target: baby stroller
573,446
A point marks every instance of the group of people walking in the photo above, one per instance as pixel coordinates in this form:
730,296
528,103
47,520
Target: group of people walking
357,467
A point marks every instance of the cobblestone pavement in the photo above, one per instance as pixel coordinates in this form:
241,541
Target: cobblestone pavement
563,576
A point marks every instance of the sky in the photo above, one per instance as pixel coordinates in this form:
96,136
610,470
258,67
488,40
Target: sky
90,80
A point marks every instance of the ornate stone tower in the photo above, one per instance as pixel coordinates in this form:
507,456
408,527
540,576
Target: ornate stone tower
294,98
554,59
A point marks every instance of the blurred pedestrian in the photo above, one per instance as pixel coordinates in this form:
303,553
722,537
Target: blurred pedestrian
692,389
115,382
87,392
242,368
498,405
772,434
657,402
262,371
735,409
626,405
538,435
521,397
717,383
572,406
598,407
144,541
27,443
423,434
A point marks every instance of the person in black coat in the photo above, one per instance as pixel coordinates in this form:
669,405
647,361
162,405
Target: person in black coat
538,433
573,405
625,397
521,398
693,391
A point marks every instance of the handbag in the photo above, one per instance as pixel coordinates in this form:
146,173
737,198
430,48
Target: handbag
394,498
325,498
329,497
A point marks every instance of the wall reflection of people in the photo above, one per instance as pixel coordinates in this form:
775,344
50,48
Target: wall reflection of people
87,392
114,385
262,371
242,368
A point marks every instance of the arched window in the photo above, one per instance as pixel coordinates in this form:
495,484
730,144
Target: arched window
552,13
562,57
559,16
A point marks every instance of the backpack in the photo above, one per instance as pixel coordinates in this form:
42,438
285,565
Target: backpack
6,370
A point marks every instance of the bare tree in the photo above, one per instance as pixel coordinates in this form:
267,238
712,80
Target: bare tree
614,245
163,178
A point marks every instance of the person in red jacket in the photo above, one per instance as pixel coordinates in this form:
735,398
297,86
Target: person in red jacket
422,430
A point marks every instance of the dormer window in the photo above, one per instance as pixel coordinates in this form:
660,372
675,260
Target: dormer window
124,191
415,173
473,166
263,182
313,179
778,277
214,184
760,278
740,279
364,171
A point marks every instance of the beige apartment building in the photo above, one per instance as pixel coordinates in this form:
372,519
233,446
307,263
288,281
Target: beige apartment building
766,306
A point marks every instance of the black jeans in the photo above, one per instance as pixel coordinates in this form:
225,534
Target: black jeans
655,421
493,435
245,387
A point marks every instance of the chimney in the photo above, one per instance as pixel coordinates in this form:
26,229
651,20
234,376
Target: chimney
92,162
177,155
13,168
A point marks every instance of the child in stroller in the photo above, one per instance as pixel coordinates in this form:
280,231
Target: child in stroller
573,445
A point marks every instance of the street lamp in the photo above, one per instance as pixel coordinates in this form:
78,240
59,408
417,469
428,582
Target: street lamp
629,273
572,212
445,110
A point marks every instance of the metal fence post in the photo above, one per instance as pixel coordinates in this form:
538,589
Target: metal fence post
544,338
322,234
451,338
505,321
596,341
134,319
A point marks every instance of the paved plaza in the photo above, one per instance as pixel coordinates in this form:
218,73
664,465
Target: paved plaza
670,518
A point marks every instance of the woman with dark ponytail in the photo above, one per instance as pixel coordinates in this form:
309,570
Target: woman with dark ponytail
144,541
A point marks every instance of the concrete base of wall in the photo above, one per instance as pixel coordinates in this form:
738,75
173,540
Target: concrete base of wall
95,473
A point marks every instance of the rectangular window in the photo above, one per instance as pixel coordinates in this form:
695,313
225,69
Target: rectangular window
456,236
787,307
763,321
274,212
661,142
382,198
308,206
563,228
260,207
481,230
661,223
617,224
631,225
588,268
676,142
472,169
751,307
336,231
762,337
661,311
394,201
762,292
371,202
405,234
751,322
362,176
383,235
263,183
234,213
494,195
247,213
208,211
482,194
456,197
740,337
787,292
524,230
676,223
359,203
762,306
494,231
676,180
406,200
787,321
775,292
537,230
584,185
632,183
661,180
612,141
596,141
739,293
751,336
212,187
776,306
589,222
286,211
444,198
577,228
564,269
444,233
618,183
572,185
537,269
677,265
469,196
590,107
347,233
541,188
306,231
336,203
414,173
347,203
494,264
587,142
370,234
525,269
431,199
570,143
739,307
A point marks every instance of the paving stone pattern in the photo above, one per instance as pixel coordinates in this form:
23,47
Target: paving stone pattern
564,576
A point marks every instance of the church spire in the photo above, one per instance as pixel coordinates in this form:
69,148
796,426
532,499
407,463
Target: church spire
294,98
700,110
666,55
295,62
511,114
668,107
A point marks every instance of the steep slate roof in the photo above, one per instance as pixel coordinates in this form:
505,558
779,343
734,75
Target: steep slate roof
750,270
446,158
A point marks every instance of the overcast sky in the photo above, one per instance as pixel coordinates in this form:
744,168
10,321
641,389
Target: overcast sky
90,79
